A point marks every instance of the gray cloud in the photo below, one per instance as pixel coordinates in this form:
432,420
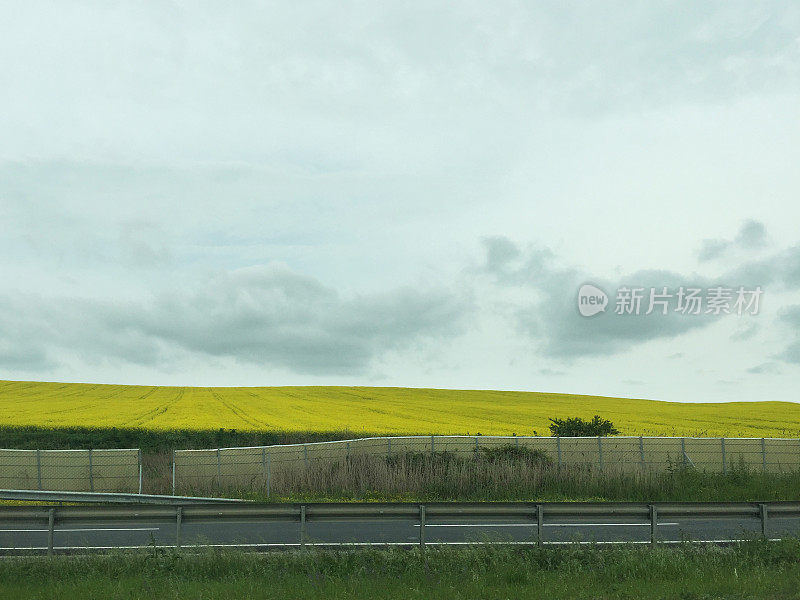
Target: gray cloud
790,319
751,236
553,318
781,270
500,252
712,249
22,330
769,368
270,315
264,315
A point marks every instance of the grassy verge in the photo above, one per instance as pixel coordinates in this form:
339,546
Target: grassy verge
509,475
750,570
504,476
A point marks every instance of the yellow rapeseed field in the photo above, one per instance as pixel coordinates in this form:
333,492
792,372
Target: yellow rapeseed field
375,410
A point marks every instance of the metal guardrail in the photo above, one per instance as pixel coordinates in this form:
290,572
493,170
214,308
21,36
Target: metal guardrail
421,514
109,497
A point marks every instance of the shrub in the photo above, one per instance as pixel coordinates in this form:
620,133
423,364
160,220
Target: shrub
577,427
520,454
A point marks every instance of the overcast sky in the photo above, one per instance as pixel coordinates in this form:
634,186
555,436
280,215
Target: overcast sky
403,194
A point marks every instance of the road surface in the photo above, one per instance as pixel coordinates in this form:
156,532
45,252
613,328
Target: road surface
24,536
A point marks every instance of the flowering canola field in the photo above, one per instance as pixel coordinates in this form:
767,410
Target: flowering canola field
376,410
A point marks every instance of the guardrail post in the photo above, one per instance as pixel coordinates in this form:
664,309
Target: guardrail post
39,468
51,526
558,449
641,453
178,521
347,450
91,478
600,451
724,458
173,472
432,439
388,447
303,526
763,455
305,456
139,458
477,448
762,512
422,526
516,441
653,523
539,524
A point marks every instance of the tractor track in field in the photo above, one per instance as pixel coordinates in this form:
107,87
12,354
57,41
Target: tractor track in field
158,410
237,411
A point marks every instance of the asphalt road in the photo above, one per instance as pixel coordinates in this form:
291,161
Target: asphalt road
126,534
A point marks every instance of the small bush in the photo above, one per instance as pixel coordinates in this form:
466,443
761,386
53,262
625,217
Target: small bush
519,454
577,427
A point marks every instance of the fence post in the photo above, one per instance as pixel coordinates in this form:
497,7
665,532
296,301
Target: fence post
558,449
51,525
39,468
724,458
269,474
303,526
762,511
600,450
641,453
653,523
139,458
219,469
178,520
91,478
173,472
422,526
539,524
683,451
763,455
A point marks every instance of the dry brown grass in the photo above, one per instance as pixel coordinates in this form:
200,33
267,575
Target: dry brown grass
443,477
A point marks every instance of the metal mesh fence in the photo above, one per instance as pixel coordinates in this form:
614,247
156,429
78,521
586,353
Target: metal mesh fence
71,470
258,466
